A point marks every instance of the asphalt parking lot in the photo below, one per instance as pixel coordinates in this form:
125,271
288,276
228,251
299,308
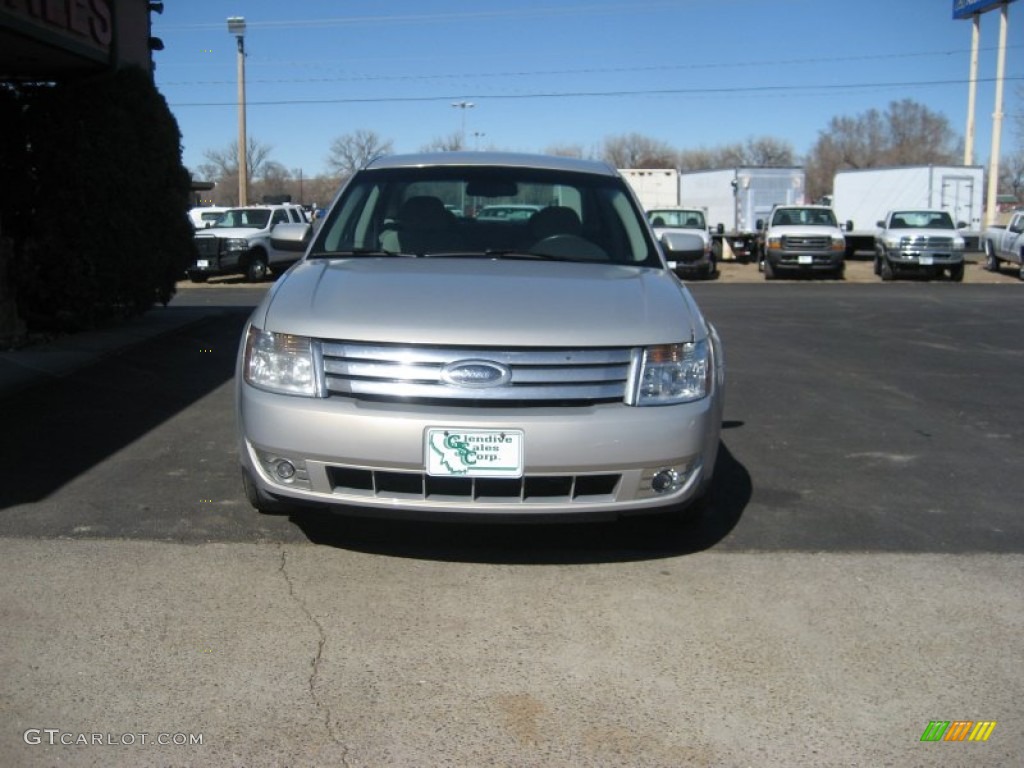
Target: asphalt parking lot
857,578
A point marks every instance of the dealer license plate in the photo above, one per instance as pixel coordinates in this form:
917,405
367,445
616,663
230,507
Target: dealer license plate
926,261
805,259
203,263
456,452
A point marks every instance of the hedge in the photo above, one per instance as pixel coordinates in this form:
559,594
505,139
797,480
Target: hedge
109,233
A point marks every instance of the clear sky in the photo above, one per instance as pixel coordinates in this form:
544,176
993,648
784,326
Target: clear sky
541,73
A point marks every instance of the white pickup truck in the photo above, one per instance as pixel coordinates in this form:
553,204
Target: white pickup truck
238,242
686,240
921,242
1005,244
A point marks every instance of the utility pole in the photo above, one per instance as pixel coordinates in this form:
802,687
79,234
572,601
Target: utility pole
236,27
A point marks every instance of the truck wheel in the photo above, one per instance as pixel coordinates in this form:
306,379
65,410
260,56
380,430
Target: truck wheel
769,270
256,268
956,274
1020,273
991,260
886,270
198,277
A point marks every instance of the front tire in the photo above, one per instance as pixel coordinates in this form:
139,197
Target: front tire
956,273
991,260
886,271
256,269
769,270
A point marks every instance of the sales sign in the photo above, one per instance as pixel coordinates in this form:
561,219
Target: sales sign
965,9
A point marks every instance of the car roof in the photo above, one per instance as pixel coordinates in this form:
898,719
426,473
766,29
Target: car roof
499,159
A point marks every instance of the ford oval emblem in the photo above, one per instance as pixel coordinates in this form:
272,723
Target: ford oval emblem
476,373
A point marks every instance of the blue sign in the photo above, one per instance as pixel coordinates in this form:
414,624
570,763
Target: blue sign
965,9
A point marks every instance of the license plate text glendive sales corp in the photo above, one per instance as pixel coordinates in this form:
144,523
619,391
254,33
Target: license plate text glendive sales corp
454,452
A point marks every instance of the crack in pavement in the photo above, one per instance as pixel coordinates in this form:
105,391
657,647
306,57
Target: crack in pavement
321,641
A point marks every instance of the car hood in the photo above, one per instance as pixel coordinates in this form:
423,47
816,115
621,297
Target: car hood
480,302
228,232
805,229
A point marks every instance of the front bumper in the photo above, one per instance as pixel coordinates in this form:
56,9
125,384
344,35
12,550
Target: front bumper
224,264
925,260
685,265
809,261
593,461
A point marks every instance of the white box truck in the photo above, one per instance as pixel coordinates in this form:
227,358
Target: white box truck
862,197
653,187
737,198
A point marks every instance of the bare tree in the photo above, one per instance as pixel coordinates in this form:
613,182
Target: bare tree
701,159
350,152
275,180
1011,176
221,166
453,142
769,152
565,150
764,151
907,133
636,151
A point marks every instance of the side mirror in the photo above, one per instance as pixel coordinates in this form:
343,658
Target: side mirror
880,223
720,228
291,237
759,225
849,226
961,225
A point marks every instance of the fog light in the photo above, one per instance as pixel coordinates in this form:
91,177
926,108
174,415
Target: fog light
284,470
666,481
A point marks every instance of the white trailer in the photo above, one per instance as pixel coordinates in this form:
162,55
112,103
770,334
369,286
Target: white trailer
653,187
737,198
862,197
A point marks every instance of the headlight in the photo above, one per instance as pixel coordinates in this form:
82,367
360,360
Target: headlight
279,362
236,244
775,243
838,244
674,373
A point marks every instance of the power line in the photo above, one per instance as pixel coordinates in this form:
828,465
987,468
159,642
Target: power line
420,18
581,71
599,94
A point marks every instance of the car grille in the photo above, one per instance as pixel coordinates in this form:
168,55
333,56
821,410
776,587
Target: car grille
379,484
923,241
414,374
207,247
806,242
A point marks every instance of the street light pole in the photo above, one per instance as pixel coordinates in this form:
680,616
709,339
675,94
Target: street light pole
463,105
236,27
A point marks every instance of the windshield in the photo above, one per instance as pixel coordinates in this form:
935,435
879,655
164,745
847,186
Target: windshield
494,211
797,216
921,220
247,218
678,219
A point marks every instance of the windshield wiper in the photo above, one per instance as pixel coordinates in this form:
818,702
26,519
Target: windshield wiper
513,253
352,252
